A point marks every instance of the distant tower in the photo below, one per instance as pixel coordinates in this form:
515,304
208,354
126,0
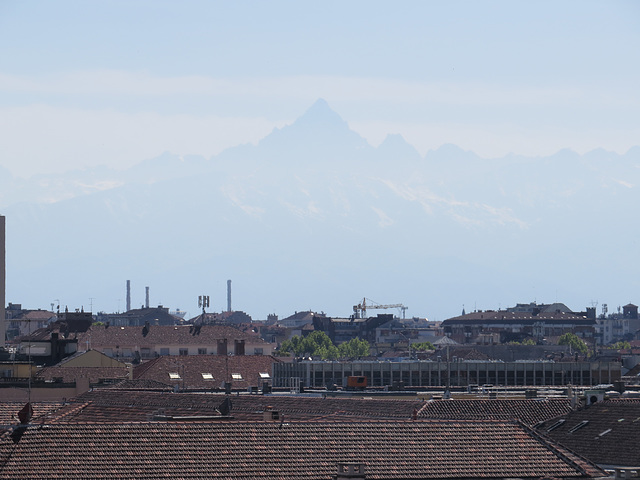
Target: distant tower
146,298
228,295
128,295
3,279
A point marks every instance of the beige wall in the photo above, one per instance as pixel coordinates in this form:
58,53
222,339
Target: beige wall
93,358
44,394
18,370
127,351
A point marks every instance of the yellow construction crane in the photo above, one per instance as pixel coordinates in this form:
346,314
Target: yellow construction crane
360,310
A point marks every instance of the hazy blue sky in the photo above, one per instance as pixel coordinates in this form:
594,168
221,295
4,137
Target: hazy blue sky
87,83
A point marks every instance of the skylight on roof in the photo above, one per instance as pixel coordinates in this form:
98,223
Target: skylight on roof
207,376
174,375
579,426
556,425
264,375
236,376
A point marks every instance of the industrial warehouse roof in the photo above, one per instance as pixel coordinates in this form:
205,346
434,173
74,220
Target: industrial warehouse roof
149,336
286,451
529,412
525,318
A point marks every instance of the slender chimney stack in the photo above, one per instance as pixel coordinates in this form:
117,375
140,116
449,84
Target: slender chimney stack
146,300
3,279
128,295
228,295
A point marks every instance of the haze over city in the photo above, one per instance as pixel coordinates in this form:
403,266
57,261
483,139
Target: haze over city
435,155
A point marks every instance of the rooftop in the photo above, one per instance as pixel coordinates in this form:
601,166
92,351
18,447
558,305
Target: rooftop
606,432
286,451
150,336
529,411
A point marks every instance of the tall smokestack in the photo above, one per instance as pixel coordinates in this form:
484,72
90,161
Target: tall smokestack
228,295
146,298
128,295
3,284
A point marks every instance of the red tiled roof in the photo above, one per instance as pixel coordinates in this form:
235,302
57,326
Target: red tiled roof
610,437
529,412
100,336
141,385
9,410
71,374
190,369
463,353
243,451
113,405
250,407
526,318
38,315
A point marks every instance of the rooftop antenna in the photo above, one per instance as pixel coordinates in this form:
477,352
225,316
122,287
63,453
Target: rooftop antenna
203,301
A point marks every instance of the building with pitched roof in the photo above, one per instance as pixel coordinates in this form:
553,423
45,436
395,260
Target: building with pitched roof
287,451
504,326
209,372
607,432
528,411
21,322
151,341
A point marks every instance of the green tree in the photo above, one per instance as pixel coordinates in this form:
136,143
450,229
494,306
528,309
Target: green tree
621,346
315,344
354,348
574,342
423,346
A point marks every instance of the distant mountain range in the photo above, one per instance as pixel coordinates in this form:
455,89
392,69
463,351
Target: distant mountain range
314,217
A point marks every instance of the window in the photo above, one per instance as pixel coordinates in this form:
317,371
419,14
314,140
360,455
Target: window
164,351
236,376
202,351
579,426
207,376
174,375
145,352
183,351
257,351
264,375
108,352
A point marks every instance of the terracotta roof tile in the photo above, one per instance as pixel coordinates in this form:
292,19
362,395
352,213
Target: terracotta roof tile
111,405
187,371
9,410
529,412
610,436
94,374
237,450
99,336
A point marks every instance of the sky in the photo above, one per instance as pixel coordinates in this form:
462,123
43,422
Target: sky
114,83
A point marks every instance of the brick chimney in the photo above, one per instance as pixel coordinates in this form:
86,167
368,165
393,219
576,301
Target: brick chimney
271,415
